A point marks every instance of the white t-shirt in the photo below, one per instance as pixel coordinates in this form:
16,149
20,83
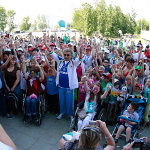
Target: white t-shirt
135,57
88,61
5,147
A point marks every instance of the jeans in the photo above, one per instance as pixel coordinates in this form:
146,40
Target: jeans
31,106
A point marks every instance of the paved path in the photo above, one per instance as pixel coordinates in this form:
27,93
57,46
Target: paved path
45,137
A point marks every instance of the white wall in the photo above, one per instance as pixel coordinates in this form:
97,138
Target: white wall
145,35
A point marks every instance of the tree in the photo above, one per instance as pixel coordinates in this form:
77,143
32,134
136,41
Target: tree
101,10
35,25
142,24
3,18
131,22
42,23
85,19
25,25
10,16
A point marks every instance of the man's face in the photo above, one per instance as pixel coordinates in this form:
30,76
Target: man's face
106,79
138,48
88,52
67,56
106,63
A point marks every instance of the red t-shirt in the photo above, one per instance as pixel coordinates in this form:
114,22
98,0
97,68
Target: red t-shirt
35,88
147,54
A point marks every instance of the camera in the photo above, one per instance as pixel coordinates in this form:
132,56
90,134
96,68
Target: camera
93,123
138,143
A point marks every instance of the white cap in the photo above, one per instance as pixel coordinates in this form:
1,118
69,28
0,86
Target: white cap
20,49
7,50
30,45
70,44
116,80
107,51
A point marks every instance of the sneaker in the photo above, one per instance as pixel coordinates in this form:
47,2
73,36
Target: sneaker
28,119
60,116
9,116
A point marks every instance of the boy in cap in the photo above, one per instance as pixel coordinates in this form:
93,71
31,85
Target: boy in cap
113,103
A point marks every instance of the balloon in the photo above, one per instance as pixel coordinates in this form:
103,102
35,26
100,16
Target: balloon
61,23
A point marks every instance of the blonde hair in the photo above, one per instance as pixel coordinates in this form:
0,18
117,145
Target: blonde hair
89,138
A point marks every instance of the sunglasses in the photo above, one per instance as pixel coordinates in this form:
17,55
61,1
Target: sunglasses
66,54
105,62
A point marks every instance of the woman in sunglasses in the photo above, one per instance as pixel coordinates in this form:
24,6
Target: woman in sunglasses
90,138
66,79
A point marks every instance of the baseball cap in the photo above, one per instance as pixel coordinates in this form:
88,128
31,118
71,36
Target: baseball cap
65,45
40,45
30,45
52,44
70,44
20,49
138,67
116,80
139,85
139,45
44,48
7,50
88,48
107,75
31,48
107,51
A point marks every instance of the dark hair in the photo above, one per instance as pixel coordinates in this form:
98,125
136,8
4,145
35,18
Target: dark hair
134,105
35,49
130,59
126,55
106,59
35,70
20,55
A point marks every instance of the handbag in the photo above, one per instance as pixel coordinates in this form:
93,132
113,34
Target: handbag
81,113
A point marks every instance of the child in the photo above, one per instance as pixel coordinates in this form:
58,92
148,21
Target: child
147,95
81,91
113,103
52,91
93,98
137,88
128,125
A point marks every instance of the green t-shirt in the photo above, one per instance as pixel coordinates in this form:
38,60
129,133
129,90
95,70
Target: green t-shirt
104,85
136,94
147,94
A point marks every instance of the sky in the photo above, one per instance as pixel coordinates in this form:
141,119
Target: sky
56,10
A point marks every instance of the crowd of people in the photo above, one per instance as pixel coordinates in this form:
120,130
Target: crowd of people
70,70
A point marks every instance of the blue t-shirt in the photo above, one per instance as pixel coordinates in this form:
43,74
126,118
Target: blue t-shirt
51,85
63,76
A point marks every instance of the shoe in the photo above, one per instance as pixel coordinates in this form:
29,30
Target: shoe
28,119
9,116
60,116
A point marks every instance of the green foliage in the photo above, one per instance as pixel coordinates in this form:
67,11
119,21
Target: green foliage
10,16
25,25
42,23
85,19
3,18
108,20
34,25
144,25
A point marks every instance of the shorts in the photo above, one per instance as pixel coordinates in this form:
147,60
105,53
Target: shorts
131,126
